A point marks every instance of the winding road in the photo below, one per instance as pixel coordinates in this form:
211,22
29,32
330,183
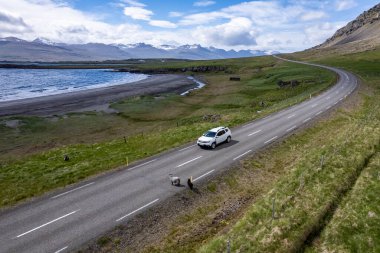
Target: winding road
64,220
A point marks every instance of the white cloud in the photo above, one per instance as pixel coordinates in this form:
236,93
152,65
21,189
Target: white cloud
134,3
162,23
342,5
63,23
203,18
204,3
237,32
313,15
175,14
12,23
257,25
284,41
138,13
317,34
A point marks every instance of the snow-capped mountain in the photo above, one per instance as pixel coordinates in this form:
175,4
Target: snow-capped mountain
45,41
42,49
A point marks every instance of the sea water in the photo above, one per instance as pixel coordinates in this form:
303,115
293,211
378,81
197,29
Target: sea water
28,83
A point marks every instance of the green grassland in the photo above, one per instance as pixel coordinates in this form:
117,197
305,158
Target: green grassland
31,157
314,196
355,226
323,183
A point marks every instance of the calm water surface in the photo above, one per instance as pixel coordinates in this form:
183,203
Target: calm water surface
27,83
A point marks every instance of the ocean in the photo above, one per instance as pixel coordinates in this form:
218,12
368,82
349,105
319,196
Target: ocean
28,83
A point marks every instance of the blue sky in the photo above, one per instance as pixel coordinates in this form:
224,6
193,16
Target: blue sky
276,25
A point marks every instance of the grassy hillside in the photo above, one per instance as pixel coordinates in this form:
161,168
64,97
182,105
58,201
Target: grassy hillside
31,157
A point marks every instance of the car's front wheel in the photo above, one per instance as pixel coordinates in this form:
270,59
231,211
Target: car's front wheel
213,145
228,139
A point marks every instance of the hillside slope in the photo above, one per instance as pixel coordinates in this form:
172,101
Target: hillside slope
361,34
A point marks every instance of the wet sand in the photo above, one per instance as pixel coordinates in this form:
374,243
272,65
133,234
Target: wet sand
95,98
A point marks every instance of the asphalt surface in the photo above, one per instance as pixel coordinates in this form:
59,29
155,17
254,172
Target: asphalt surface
64,220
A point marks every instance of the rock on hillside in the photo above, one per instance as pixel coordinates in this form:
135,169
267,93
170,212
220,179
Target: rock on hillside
363,33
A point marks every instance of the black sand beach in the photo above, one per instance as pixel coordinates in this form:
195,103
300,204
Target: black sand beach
93,98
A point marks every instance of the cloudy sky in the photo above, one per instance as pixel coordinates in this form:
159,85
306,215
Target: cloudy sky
283,25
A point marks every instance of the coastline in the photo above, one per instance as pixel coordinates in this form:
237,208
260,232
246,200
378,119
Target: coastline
98,97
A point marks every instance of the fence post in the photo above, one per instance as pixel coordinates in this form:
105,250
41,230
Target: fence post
228,246
322,161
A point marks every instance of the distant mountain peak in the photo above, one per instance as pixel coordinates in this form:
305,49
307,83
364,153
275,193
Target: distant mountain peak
193,46
12,39
167,47
45,41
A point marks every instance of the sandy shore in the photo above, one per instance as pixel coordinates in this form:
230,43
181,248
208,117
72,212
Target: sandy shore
94,98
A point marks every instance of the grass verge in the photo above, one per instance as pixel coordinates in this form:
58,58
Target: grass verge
355,224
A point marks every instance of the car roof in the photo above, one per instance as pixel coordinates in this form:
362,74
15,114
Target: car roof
216,129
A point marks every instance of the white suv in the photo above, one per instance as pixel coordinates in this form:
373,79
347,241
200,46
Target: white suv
214,137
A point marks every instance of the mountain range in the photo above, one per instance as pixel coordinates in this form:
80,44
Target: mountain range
44,50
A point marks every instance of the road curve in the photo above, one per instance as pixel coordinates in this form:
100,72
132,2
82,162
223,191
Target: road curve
65,219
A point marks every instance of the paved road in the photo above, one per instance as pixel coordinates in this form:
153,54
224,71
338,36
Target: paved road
66,219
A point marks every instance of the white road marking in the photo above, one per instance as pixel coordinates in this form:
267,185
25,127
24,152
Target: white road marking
335,102
327,98
345,96
318,113
141,164
192,160
314,105
211,171
328,107
138,209
242,155
290,129
306,120
61,249
340,99
64,216
59,195
346,75
258,131
272,139
291,116
248,124
187,147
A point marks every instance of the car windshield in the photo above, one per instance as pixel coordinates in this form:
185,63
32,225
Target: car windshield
209,134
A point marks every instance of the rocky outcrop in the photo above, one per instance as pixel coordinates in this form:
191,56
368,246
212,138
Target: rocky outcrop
365,26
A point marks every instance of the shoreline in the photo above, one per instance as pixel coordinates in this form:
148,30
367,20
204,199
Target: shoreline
98,97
